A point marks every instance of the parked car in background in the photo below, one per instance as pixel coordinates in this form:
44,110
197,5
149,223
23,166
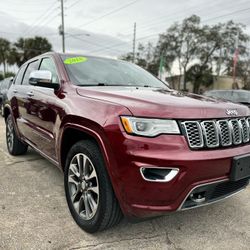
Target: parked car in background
127,144
233,95
4,87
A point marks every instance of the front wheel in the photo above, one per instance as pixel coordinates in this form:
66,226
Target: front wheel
14,145
89,193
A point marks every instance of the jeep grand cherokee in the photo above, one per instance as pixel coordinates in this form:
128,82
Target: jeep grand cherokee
127,144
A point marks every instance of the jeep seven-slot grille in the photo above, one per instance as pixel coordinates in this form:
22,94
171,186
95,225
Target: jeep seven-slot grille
220,133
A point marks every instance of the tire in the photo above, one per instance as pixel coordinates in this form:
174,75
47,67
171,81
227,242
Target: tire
89,192
14,145
2,110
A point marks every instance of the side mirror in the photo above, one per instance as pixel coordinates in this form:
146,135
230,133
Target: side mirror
42,78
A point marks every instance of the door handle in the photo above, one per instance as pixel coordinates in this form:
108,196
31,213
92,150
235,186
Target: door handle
30,94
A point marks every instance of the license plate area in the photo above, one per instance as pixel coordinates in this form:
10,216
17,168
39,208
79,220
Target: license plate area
240,168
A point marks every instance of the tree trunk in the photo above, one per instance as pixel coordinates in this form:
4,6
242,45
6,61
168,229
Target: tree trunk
184,78
4,68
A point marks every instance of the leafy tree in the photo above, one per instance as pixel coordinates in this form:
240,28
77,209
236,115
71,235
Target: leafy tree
7,74
180,43
144,57
191,43
27,48
4,53
199,75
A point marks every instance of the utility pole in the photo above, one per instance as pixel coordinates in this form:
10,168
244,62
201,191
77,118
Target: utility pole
235,60
61,28
134,40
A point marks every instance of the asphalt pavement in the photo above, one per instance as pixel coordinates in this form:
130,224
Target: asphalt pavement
34,215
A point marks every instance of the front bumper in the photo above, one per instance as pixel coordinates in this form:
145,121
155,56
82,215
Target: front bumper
141,198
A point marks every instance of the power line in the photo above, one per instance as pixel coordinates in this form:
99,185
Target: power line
225,15
83,40
110,13
41,18
147,27
40,28
155,34
72,5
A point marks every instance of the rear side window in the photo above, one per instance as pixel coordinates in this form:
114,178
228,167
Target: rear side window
19,76
48,64
31,67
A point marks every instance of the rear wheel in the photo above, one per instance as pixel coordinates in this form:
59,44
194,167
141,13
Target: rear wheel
2,110
89,193
14,145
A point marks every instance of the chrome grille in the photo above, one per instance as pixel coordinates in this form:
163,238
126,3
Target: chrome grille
195,138
245,130
213,134
210,133
236,131
224,133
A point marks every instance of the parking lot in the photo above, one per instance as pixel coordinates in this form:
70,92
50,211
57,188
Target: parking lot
34,215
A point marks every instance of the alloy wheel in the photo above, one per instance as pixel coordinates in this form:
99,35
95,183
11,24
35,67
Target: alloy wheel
10,134
83,186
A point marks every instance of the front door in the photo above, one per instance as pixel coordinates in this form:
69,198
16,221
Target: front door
45,106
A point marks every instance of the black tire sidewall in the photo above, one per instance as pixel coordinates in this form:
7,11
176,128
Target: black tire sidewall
88,148
18,147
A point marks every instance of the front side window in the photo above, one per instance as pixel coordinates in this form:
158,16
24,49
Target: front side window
48,64
31,67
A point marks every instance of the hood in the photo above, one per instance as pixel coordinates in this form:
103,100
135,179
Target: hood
162,103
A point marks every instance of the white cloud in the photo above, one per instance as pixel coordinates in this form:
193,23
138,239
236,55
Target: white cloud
113,34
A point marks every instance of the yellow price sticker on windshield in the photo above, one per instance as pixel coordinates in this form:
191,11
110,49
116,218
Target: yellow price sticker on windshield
74,60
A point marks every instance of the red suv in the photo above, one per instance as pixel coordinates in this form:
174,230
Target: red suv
127,144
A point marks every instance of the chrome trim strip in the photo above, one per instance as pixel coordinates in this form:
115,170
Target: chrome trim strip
41,153
170,176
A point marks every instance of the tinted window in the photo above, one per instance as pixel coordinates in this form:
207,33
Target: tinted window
90,71
31,67
19,76
48,64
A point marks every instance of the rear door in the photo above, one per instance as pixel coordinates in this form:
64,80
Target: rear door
24,92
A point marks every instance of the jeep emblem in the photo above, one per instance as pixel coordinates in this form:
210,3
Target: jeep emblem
232,112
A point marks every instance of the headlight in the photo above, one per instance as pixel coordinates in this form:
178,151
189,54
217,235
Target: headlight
149,127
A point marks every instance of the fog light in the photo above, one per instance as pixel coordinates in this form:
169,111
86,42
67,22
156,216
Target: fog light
157,174
198,197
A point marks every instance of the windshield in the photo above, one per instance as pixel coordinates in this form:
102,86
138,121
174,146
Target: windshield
93,71
231,95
